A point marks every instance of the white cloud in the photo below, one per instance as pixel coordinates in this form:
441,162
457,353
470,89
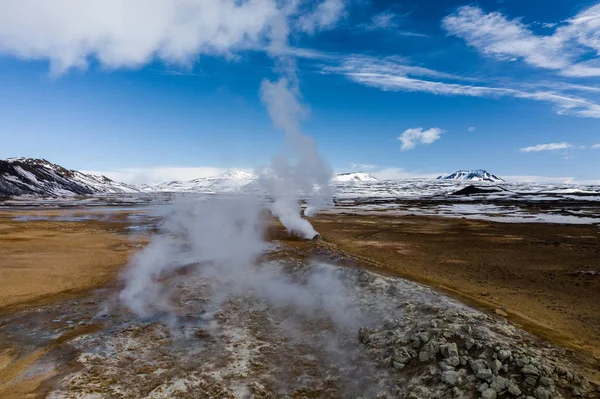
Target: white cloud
388,21
548,147
495,35
160,174
392,74
362,166
472,128
326,14
132,33
410,138
384,20
595,147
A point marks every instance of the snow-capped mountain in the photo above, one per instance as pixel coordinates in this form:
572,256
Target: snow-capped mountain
228,182
237,181
472,175
28,176
354,177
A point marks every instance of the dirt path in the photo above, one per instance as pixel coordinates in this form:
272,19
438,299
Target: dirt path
533,272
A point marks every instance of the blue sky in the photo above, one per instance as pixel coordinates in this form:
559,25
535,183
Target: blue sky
398,88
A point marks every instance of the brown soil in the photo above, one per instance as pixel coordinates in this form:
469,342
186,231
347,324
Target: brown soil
48,260
530,273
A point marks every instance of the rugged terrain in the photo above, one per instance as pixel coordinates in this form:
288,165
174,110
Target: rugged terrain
391,338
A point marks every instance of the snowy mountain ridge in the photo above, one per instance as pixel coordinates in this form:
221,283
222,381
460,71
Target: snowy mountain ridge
29,176
472,175
354,177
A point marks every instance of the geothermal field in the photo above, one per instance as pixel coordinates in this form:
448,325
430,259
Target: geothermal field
211,296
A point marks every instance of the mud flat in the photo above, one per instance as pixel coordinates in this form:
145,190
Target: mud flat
47,255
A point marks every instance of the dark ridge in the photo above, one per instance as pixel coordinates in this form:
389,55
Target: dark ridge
470,190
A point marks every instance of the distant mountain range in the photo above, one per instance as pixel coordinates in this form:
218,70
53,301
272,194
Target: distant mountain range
472,175
27,176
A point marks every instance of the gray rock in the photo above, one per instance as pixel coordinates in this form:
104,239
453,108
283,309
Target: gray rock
469,343
546,381
484,374
398,365
483,387
477,365
489,394
429,350
445,366
464,360
449,350
496,366
424,337
523,361
530,370
450,377
513,388
531,380
542,393
504,354
453,361
577,392
402,355
499,384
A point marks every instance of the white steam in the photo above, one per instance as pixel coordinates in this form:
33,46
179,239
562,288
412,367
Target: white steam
221,243
302,174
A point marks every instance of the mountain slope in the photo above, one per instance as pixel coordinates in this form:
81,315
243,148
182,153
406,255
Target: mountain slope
353,177
228,182
472,175
27,176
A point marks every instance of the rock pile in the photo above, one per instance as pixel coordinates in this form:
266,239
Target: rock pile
461,354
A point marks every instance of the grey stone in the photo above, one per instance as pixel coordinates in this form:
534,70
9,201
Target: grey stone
546,381
542,393
513,388
398,365
477,365
504,354
464,360
445,366
453,361
449,350
489,394
424,337
469,343
577,392
424,356
402,355
483,387
499,384
484,374
530,370
450,377
531,380
496,366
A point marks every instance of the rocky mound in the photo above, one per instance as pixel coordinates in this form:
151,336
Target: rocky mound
459,354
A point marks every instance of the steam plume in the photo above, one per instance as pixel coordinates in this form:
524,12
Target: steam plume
301,175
